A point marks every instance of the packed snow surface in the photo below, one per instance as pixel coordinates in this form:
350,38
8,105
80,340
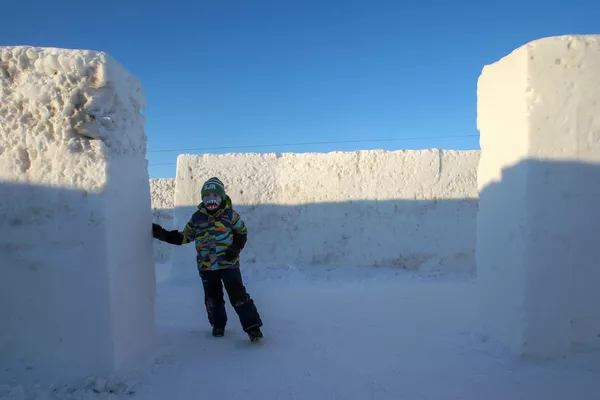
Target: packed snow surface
539,117
347,333
76,269
352,333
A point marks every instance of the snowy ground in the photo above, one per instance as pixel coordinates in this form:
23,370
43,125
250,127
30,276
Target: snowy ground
348,334
352,334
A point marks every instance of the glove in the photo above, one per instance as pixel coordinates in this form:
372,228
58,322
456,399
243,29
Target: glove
158,232
172,237
239,241
231,254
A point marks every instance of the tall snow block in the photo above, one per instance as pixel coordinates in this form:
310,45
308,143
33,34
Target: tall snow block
77,277
539,215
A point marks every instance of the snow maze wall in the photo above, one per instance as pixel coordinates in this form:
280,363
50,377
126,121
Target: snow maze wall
162,196
77,282
414,210
538,224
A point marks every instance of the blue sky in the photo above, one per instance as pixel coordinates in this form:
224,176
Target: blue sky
251,72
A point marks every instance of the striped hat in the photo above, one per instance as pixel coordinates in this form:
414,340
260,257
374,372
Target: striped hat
213,185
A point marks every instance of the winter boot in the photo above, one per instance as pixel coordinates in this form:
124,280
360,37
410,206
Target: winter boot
255,335
218,332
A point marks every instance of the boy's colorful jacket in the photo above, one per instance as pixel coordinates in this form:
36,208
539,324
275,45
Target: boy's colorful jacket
213,234
219,237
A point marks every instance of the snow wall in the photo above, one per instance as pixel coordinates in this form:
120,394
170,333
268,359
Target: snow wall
162,191
77,279
407,209
539,209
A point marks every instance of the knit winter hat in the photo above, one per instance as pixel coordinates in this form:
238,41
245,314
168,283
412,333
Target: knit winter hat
213,185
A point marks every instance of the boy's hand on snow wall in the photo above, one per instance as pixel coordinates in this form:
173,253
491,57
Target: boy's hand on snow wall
172,237
158,231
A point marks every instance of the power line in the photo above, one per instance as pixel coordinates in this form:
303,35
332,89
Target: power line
300,144
306,144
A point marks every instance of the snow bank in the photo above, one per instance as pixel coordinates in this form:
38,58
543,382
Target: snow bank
162,192
410,209
537,255
76,269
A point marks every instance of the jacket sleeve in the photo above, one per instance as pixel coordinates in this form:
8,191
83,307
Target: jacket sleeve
189,233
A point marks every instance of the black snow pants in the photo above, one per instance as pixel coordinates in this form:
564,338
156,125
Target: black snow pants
241,301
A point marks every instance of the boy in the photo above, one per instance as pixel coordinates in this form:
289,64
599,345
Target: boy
219,235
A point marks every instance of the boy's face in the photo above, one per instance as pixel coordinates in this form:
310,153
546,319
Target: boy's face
212,201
